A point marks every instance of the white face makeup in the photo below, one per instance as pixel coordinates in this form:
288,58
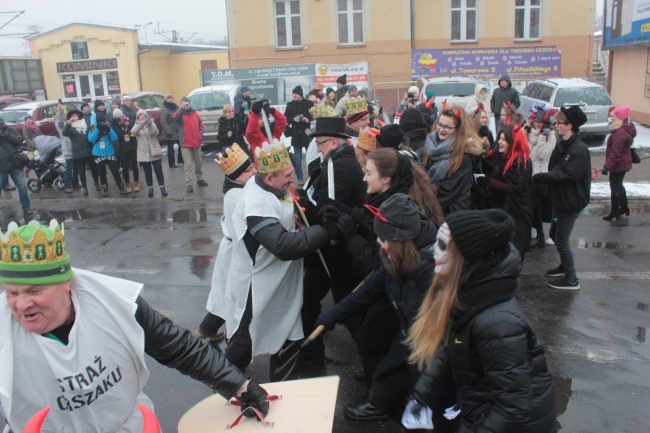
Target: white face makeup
440,249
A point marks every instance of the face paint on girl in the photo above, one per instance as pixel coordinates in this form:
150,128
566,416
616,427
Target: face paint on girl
440,249
384,246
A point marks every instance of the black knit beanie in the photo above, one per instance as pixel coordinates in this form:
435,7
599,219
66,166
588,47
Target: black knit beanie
298,90
403,219
390,135
99,102
480,233
343,79
412,119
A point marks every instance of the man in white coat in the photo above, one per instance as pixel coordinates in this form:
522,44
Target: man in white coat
74,341
266,271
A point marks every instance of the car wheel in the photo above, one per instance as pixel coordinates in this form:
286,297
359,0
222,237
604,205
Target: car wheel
34,185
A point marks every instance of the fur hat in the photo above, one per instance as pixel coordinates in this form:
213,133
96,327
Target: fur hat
397,219
297,90
622,112
480,233
79,114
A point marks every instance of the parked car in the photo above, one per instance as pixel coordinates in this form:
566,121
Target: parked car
564,92
41,111
456,90
208,102
6,101
151,102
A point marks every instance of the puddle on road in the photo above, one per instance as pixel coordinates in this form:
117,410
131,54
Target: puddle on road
201,266
63,216
585,244
641,333
642,306
195,215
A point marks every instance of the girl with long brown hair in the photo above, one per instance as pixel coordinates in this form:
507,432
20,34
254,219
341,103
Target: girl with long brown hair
447,157
471,333
405,237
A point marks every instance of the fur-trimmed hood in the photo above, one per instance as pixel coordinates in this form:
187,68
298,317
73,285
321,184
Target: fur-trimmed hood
474,147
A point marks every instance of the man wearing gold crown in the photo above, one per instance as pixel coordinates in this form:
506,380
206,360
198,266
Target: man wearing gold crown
357,117
74,341
238,169
266,271
340,105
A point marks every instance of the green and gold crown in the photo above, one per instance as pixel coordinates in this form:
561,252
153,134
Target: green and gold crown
34,254
354,106
272,157
322,110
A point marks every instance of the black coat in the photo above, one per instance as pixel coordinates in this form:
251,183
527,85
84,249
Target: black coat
500,95
569,173
496,361
10,139
80,146
237,126
298,130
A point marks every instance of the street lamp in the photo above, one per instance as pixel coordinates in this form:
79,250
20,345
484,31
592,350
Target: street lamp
144,29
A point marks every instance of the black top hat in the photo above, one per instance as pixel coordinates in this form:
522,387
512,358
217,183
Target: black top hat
575,116
71,113
330,127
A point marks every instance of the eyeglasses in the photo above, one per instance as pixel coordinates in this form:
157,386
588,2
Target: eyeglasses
562,123
320,143
445,127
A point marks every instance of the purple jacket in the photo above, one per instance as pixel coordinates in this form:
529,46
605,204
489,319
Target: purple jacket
618,158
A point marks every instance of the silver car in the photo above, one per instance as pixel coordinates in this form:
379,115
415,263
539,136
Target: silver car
563,92
208,102
455,90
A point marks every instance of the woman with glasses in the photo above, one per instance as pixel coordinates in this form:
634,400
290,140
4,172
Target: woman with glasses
405,237
447,157
231,129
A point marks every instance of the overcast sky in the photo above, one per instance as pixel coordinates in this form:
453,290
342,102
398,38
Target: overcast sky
205,17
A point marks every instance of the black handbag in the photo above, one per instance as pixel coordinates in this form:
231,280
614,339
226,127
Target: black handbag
635,156
19,159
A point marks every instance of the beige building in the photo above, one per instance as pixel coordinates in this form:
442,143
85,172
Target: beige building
383,32
89,61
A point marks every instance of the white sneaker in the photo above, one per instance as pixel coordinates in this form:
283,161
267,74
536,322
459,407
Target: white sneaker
549,241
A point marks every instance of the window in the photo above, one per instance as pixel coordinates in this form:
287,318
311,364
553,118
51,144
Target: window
350,22
527,18
463,20
538,91
287,22
582,95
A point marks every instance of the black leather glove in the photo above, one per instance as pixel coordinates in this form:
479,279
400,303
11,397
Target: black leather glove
254,396
482,181
331,229
329,213
347,226
604,172
340,205
257,106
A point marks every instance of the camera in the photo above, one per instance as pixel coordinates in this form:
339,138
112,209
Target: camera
411,95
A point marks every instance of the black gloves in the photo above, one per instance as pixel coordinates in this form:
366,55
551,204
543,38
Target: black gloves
329,213
326,318
604,172
347,226
331,229
257,106
340,206
267,106
254,396
482,181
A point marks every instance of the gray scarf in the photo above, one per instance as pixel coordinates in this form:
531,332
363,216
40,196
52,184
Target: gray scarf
439,153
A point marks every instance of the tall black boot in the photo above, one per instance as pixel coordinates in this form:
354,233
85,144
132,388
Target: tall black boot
616,211
105,190
625,210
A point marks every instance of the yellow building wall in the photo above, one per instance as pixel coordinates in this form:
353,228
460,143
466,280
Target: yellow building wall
103,43
185,70
387,31
628,82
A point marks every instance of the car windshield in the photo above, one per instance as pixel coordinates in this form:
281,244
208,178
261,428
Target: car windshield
15,116
452,89
209,101
586,95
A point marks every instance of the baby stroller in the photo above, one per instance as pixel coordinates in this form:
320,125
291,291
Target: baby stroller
43,161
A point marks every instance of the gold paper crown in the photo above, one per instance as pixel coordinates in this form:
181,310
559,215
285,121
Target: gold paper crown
39,248
322,110
231,158
367,141
272,157
355,106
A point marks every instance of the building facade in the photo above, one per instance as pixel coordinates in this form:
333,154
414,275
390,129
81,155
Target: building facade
90,61
385,33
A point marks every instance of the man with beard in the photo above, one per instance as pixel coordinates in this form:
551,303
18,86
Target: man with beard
170,130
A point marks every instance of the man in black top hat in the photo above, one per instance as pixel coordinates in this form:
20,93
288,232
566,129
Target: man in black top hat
569,174
298,120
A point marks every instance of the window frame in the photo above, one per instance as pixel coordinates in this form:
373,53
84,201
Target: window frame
288,15
463,9
349,12
527,7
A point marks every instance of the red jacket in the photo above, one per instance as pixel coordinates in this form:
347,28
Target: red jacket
190,128
254,133
618,158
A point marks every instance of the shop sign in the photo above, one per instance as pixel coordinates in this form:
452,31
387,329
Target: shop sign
220,76
626,23
356,73
485,63
87,65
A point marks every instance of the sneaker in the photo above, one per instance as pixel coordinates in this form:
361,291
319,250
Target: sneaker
9,188
563,284
201,183
190,188
549,241
555,272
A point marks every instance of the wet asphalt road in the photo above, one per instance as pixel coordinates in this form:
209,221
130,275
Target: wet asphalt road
595,338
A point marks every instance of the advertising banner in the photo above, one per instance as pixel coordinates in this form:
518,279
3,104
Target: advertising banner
626,23
357,74
486,63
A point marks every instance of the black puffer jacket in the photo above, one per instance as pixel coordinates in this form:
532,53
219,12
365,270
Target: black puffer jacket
298,130
175,347
569,173
80,146
237,126
501,95
495,359
10,139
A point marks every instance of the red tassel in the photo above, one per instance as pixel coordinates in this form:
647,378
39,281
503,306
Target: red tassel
458,113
